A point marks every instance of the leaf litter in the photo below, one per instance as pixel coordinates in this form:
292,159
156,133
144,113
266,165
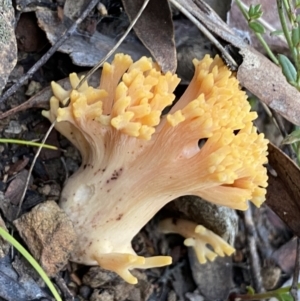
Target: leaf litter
283,182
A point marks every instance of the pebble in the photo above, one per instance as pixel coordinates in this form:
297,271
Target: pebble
14,127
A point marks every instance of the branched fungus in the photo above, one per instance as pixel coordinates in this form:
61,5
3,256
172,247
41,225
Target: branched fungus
135,161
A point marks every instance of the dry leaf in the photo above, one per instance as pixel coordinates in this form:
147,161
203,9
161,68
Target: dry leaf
155,30
15,188
29,36
256,73
285,257
84,49
283,195
8,44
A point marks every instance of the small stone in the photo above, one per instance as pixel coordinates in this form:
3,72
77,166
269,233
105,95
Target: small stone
55,191
72,165
172,296
73,288
102,9
33,88
139,292
194,296
271,275
85,291
45,190
14,159
14,127
97,277
49,235
100,295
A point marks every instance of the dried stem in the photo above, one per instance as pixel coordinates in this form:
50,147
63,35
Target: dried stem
31,168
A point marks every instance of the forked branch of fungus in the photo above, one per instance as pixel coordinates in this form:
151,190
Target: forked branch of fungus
135,161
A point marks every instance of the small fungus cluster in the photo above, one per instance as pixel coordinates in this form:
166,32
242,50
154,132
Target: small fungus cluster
135,161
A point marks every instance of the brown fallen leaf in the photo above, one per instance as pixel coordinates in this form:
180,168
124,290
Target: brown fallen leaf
283,193
255,72
18,166
285,256
15,188
8,44
155,29
80,44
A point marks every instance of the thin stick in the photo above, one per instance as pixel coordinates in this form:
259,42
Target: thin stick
294,286
31,167
50,52
88,75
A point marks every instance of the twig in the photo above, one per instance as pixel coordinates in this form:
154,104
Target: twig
99,64
294,286
60,282
251,236
50,52
32,166
65,168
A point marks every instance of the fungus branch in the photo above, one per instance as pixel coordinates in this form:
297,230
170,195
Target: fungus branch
135,161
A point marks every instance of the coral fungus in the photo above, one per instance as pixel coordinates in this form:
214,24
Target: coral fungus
135,161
